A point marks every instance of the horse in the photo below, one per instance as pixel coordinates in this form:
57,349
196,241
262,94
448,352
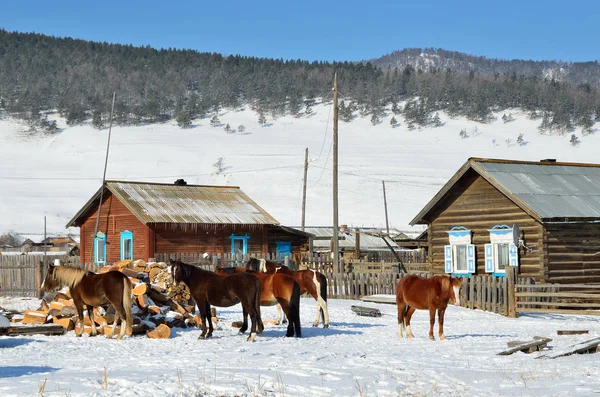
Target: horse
310,281
208,288
92,290
277,289
414,292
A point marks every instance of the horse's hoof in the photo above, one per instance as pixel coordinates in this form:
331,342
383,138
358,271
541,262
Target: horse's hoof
442,337
432,338
252,337
315,324
202,337
325,325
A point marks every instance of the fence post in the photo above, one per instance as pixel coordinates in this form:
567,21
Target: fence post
39,275
511,278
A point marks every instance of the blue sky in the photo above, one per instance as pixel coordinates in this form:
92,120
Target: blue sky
325,30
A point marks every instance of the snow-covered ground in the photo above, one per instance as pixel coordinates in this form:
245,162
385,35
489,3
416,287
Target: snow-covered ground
54,176
356,356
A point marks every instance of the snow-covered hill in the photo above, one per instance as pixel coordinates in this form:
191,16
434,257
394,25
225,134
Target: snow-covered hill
54,176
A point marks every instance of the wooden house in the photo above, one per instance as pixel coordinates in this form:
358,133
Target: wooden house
543,217
142,220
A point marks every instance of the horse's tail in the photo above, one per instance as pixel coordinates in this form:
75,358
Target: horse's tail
257,301
295,309
127,304
323,287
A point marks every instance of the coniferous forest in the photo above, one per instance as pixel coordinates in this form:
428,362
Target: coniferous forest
77,78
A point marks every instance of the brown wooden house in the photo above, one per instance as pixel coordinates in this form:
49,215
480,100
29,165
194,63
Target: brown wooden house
142,220
543,217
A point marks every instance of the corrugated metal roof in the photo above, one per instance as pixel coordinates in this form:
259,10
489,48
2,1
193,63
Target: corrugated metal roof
188,204
550,190
367,241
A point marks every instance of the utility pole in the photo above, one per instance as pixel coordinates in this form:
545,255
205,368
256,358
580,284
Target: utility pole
387,225
304,188
335,244
112,109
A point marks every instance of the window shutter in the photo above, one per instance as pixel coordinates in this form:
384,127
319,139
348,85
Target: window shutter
489,258
513,255
448,259
471,258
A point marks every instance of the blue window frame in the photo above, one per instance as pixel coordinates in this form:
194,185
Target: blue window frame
100,248
126,245
284,248
239,244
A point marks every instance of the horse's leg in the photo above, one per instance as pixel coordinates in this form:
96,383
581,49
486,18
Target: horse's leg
441,312
114,327
79,306
91,314
204,315
321,297
401,313
123,322
280,320
244,327
286,309
431,321
210,324
407,318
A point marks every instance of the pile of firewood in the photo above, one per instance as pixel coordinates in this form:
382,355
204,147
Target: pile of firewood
158,305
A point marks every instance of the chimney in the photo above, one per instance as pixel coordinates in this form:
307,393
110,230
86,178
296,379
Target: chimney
548,161
180,182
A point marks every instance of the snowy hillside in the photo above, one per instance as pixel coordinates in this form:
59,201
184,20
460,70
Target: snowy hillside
54,176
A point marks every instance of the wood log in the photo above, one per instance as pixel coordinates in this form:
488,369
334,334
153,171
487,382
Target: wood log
132,273
156,296
142,301
54,313
56,305
49,329
66,323
66,302
68,311
123,264
139,263
34,317
154,272
153,309
160,332
44,307
66,295
572,332
140,289
237,324
87,329
140,328
105,269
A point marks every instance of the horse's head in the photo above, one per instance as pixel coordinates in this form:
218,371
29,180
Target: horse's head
179,270
455,288
50,282
252,264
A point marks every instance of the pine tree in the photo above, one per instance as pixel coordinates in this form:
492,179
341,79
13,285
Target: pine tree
183,118
241,128
375,119
227,128
97,120
214,121
262,120
574,140
436,121
393,122
520,140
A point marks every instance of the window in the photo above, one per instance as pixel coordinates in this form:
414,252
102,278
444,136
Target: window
100,248
502,250
284,248
126,245
459,256
239,244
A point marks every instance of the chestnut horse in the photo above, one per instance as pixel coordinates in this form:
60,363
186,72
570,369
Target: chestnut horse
414,292
310,281
94,290
208,288
277,289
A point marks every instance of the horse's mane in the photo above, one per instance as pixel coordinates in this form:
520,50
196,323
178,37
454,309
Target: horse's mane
69,276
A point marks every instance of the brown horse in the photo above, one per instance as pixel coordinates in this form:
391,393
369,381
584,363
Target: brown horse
310,281
208,288
92,290
277,289
414,292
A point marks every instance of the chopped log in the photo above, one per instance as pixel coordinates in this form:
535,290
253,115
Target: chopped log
17,330
142,301
572,332
87,329
68,311
105,269
140,328
177,307
66,323
160,332
140,289
157,296
56,305
54,313
153,309
44,307
154,272
124,263
537,344
157,320
133,273
139,263
66,302
62,295
366,311
34,317
160,286
237,324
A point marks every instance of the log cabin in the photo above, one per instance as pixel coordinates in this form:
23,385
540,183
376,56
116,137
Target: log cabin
543,217
139,220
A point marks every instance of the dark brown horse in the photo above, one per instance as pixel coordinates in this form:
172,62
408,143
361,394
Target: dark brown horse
92,290
208,288
414,292
277,289
310,281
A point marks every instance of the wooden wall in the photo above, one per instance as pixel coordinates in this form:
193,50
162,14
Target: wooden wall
572,252
477,205
114,219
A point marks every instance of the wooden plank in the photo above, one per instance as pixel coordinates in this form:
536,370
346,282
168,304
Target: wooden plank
549,305
558,311
558,294
365,311
536,344
48,329
572,332
589,346
391,299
